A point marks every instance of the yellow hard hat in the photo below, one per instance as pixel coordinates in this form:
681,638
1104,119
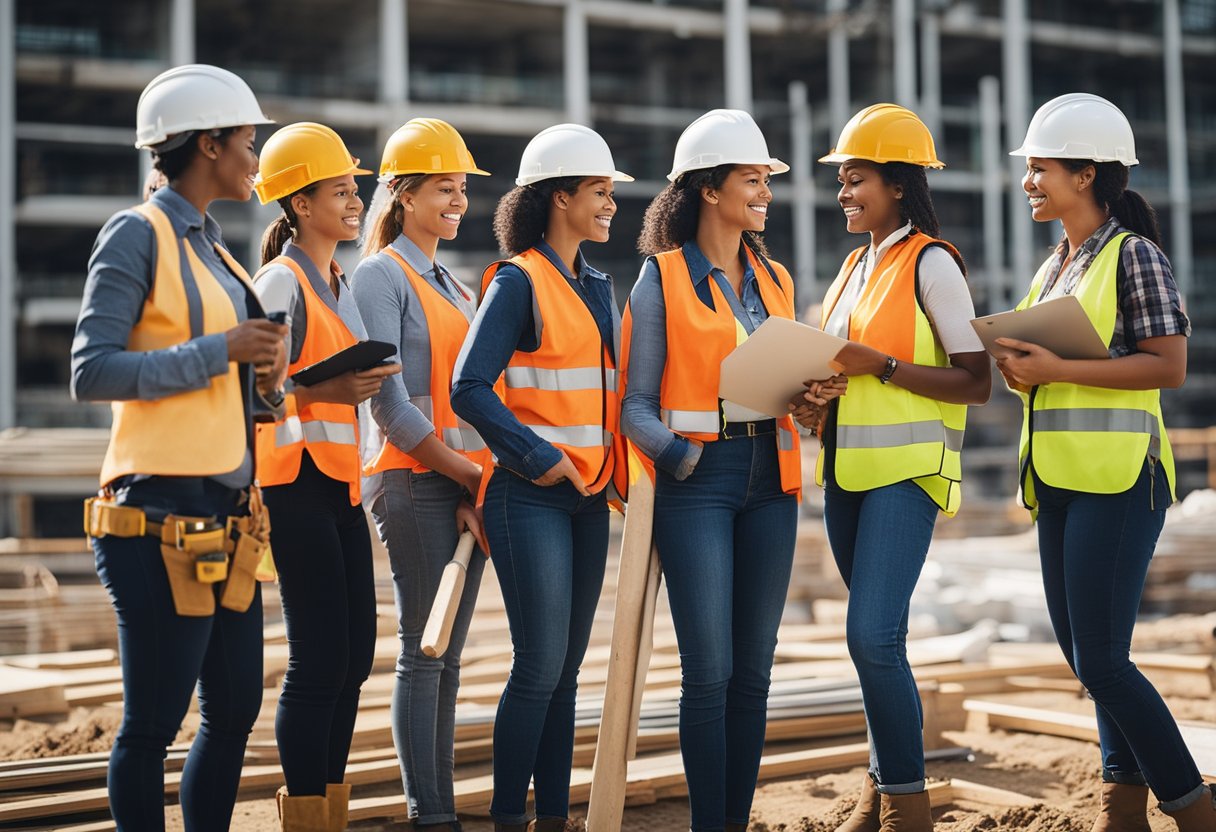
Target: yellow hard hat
426,145
885,133
298,155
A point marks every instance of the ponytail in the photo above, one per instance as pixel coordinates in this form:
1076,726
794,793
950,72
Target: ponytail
386,217
279,232
1111,192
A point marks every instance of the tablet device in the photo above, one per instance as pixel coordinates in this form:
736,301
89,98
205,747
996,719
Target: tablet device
359,356
1059,324
767,370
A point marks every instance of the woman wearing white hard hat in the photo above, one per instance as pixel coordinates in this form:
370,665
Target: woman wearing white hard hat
548,325
172,333
1094,447
425,464
728,478
310,468
891,458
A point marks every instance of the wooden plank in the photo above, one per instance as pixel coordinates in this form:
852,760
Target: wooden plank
989,795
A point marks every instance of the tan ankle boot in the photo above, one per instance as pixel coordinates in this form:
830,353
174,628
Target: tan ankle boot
308,813
865,813
1123,807
904,812
1199,816
338,795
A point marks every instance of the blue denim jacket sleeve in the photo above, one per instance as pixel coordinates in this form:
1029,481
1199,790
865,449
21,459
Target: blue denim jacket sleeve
647,359
118,282
504,323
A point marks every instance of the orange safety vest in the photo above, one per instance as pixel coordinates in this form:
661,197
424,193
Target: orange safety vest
884,433
329,431
199,433
566,390
699,338
446,329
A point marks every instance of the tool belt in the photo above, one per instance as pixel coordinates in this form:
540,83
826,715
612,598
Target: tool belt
198,552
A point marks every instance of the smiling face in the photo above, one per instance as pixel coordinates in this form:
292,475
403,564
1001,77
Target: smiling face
870,204
589,210
331,210
235,163
743,198
437,206
1053,190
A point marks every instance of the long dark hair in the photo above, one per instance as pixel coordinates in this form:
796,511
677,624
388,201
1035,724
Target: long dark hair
284,226
1111,192
522,214
916,206
173,163
672,216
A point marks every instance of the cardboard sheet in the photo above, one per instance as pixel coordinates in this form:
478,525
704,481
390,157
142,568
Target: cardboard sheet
1059,324
767,370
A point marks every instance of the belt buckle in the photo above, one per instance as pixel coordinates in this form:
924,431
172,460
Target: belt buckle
751,428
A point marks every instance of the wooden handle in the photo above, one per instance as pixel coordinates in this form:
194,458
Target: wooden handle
447,600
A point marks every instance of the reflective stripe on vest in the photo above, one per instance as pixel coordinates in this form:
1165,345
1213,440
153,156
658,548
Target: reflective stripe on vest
559,381
575,436
693,421
291,430
894,436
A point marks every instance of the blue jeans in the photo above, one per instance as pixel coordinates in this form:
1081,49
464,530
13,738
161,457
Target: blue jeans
416,517
323,552
879,539
725,537
549,547
1095,551
163,655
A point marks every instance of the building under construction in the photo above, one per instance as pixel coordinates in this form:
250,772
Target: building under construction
638,71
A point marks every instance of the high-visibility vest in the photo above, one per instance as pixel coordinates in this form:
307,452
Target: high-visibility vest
884,433
698,338
446,327
566,390
199,433
329,430
1092,439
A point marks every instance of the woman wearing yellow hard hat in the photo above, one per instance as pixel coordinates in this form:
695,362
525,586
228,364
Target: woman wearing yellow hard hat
424,463
891,443
1094,447
309,466
548,326
171,332
727,478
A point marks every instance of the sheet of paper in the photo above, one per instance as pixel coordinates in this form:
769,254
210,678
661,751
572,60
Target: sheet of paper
767,370
1059,324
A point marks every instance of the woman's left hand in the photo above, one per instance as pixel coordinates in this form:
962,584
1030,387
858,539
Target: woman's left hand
859,360
270,377
1030,364
469,517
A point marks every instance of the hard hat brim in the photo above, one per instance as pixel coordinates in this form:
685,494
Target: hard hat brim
165,143
385,178
531,179
835,158
1055,153
775,166
267,196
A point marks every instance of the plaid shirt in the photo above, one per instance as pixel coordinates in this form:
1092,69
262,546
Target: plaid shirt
1149,305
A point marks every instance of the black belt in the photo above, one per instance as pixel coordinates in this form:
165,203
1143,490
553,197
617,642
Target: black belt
733,430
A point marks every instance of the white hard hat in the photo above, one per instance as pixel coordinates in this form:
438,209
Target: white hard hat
1079,126
567,150
193,97
722,137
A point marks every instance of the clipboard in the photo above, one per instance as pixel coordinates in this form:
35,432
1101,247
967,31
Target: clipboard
359,356
1059,324
767,370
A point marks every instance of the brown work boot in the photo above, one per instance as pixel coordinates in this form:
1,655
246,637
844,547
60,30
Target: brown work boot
307,813
865,813
905,812
1123,807
1198,816
338,795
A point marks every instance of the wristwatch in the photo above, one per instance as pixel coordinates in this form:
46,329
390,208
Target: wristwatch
892,366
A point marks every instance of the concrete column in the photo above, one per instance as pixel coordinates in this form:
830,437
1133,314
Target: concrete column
8,209
736,42
1181,254
394,52
992,162
1015,55
576,63
801,167
840,108
181,32
903,48
930,110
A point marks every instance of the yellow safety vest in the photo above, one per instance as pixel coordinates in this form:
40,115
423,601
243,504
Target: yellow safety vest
1092,439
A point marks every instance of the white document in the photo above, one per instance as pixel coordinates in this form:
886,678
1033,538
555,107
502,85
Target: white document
1059,324
767,370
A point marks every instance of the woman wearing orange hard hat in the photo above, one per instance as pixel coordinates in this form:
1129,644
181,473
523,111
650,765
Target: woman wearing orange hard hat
892,440
309,466
182,349
423,462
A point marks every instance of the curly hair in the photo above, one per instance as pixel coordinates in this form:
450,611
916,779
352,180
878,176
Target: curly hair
522,214
1111,192
672,216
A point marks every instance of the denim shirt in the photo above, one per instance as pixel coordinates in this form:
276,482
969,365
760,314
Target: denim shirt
505,323
121,270
640,418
